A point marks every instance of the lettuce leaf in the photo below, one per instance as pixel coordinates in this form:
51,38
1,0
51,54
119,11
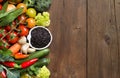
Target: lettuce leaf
5,55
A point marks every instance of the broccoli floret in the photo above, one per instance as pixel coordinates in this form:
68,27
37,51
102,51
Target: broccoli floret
29,3
43,72
42,5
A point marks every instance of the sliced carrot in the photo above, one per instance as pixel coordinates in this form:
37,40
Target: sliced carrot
15,48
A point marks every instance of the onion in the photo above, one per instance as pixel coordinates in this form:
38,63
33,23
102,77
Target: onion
10,7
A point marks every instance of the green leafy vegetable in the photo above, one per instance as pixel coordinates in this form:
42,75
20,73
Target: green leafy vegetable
3,12
10,17
29,3
5,55
43,19
1,69
11,73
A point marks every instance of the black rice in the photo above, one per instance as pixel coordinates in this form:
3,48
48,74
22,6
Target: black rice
40,37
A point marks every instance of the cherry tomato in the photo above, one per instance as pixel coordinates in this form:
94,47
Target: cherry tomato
22,5
31,12
4,44
1,1
14,22
23,30
30,22
22,18
8,28
12,37
2,32
0,7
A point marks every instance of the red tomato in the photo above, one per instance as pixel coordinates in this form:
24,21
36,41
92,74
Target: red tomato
8,28
4,44
23,30
12,37
22,18
1,1
2,32
14,23
0,7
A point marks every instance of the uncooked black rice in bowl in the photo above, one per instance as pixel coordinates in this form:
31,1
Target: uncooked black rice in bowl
39,37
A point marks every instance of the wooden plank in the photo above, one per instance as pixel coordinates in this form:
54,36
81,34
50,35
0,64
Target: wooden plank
103,48
117,10
68,49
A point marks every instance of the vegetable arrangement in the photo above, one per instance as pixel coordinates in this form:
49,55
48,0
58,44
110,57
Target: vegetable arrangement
17,58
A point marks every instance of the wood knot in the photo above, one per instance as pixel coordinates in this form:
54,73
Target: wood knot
107,39
119,3
78,27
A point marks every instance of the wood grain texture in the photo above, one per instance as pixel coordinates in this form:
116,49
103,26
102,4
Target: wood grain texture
68,49
103,49
117,11
86,39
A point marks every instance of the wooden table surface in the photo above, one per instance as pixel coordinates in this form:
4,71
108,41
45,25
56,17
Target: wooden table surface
86,39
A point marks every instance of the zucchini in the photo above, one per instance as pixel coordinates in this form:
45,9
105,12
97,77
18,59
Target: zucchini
37,54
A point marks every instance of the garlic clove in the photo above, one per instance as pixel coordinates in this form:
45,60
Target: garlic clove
22,40
30,50
24,48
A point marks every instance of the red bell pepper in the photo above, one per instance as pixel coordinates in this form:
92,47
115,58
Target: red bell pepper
28,63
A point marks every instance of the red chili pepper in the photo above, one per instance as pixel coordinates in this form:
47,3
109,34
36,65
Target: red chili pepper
29,63
10,64
3,74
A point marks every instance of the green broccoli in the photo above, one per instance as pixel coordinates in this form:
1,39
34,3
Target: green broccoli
43,72
42,5
29,3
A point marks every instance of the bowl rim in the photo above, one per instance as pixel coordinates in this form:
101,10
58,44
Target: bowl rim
29,37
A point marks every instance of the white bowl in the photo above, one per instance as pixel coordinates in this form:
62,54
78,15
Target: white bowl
29,37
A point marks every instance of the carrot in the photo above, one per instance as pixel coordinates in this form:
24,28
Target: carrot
15,48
